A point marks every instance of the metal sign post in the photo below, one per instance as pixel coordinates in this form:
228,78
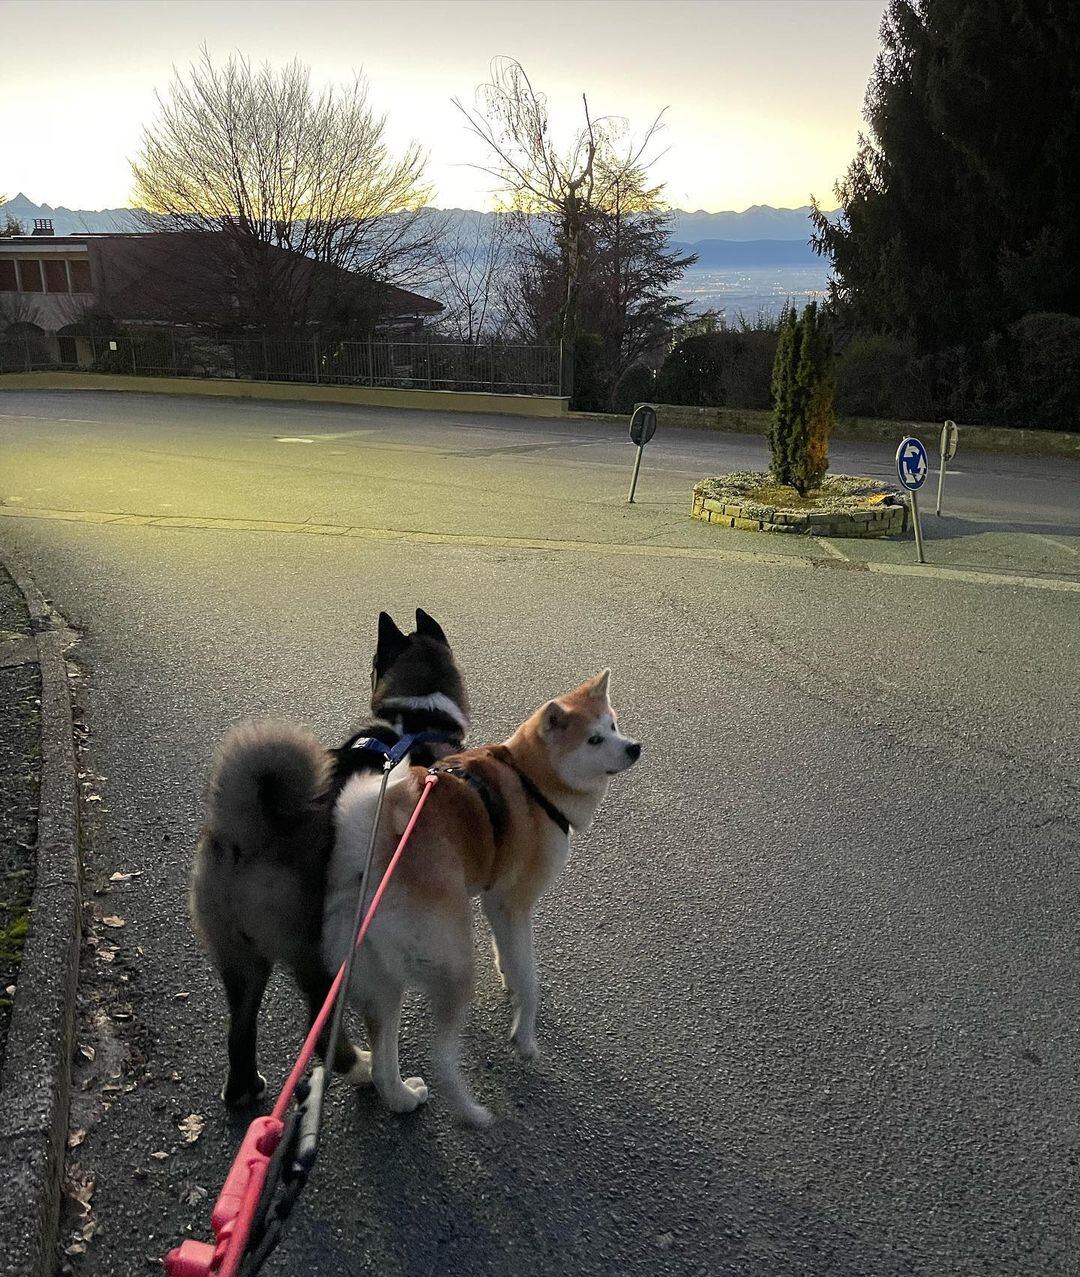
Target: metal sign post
949,436
642,429
912,466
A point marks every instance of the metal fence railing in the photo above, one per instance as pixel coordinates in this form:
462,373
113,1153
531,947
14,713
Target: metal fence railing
373,361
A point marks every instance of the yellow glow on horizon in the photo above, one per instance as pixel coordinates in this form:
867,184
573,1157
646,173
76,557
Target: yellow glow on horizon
764,97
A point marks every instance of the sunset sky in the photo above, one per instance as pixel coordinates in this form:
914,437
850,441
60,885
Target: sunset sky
764,96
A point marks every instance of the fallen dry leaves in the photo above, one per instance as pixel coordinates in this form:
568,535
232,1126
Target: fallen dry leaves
192,1127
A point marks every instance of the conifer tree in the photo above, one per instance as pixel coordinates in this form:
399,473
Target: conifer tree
961,209
803,391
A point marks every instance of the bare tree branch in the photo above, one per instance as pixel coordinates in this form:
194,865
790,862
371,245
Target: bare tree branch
568,185
261,158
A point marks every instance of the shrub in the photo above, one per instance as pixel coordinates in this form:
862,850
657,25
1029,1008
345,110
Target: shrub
699,369
638,385
592,390
750,384
803,394
877,376
1041,385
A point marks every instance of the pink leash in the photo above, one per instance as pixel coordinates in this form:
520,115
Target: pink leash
234,1210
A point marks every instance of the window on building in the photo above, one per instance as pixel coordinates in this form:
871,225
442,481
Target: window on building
56,276
30,278
8,282
80,277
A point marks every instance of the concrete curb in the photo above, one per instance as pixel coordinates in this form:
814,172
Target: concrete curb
36,1077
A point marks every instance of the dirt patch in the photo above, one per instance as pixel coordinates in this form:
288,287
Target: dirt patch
761,496
20,782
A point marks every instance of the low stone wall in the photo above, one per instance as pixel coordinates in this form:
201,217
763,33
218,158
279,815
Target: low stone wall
884,520
304,392
751,421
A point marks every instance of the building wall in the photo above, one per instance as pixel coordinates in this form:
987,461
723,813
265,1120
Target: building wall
49,285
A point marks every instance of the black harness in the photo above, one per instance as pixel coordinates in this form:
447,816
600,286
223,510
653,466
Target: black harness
503,755
493,803
365,751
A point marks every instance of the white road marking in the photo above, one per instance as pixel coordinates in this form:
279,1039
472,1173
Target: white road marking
342,434
76,421
974,578
1061,545
835,551
411,536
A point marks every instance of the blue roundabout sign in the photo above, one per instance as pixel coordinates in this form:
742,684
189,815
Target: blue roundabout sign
912,464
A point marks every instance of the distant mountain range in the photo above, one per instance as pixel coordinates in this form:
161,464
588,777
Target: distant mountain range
68,221
749,262
759,222
762,230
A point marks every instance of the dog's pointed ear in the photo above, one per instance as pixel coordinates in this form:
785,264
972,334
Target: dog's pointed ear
598,687
428,627
391,640
553,719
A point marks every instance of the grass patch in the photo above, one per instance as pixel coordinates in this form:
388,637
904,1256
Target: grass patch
13,937
783,497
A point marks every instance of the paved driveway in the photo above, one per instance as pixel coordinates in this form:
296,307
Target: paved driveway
810,982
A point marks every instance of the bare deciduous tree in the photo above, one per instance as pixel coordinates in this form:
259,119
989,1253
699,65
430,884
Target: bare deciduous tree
601,161
257,155
471,258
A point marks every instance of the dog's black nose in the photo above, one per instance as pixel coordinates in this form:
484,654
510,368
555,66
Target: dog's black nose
634,751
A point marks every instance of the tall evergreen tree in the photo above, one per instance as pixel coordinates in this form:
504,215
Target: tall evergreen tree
803,389
783,388
961,209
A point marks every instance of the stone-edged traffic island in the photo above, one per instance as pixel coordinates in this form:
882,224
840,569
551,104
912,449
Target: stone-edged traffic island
842,505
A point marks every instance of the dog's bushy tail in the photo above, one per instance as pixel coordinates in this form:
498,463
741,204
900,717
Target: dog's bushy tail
268,779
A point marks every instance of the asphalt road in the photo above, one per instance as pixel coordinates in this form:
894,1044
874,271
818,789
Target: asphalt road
810,984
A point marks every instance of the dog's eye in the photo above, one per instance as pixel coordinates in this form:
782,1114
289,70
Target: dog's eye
596,740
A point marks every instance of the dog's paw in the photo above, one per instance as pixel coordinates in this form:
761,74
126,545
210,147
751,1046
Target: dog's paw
525,1044
523,1036
408,1096
476,1115
360,1072
245,1095
418,1087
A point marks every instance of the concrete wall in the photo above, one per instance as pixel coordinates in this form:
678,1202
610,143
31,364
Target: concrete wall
374,397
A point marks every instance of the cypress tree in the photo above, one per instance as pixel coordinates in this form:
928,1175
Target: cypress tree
783,388
803,390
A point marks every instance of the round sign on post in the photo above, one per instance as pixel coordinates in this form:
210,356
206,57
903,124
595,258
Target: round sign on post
643,424
642,429
912,467
911,464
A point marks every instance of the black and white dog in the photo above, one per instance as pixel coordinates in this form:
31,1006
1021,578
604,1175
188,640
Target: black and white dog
416,687
259,878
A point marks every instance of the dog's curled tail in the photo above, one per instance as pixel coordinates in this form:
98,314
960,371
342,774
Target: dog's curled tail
267,779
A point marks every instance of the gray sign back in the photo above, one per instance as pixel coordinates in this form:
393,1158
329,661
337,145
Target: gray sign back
643,424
